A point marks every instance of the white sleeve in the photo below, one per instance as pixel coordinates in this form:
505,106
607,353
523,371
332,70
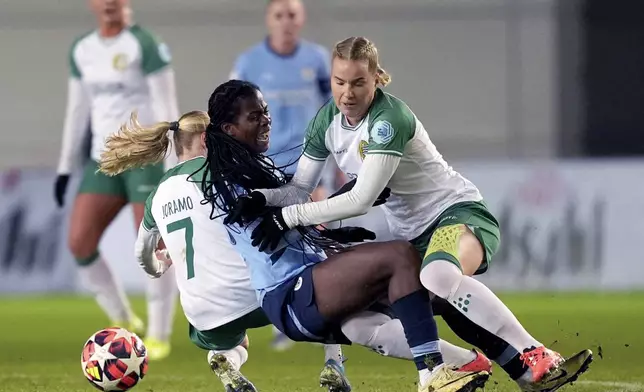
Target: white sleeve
299,189
163,97
77,117
373,177
146,244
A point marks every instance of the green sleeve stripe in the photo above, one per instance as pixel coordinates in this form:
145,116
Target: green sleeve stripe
385,152
314,157
148,218
155,55
147,226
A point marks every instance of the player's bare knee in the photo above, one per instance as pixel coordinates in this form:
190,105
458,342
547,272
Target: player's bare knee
245,343
80,246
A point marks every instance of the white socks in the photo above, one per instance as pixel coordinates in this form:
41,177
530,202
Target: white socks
98,278
386,336
456,356
477,302
237,356
161,296
378,332
425,375
334,352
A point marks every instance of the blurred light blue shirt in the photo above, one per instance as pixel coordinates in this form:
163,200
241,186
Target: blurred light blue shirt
295,86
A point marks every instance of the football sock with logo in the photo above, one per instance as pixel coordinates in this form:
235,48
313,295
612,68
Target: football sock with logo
477,302
492,346
385,336
96,275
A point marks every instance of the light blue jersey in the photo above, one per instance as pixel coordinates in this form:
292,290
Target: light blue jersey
269,270
294,86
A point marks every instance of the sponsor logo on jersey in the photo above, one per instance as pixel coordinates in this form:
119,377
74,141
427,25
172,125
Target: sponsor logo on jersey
119,62
362,148
382,132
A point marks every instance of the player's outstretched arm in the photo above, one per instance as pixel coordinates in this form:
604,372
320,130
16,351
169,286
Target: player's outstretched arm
299,189
373,177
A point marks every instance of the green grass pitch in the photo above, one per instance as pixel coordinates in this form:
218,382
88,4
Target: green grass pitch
41,340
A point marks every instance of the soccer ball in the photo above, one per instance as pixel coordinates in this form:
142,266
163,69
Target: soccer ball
114,359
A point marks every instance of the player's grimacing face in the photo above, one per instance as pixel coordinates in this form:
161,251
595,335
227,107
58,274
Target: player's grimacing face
353,87
109,11
284,19
253,125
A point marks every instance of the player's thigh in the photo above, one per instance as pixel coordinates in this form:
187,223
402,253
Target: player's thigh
138,210
467,234
140,182
229,335
91,215
99,200
354,279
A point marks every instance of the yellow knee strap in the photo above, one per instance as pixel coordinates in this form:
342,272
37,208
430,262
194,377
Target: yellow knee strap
446,240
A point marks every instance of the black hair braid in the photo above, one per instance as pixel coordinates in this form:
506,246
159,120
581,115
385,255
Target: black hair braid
232,169
301,146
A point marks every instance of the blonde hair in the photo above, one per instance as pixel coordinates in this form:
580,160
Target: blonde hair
361,49
136,146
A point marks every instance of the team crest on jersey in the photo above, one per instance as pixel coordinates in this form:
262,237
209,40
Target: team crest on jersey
308,74
362,148
382,132
119,62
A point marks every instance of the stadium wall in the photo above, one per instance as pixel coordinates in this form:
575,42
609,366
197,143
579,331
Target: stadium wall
480,73
566,225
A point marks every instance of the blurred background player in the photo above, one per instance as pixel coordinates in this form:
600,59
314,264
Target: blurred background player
294,76
117,68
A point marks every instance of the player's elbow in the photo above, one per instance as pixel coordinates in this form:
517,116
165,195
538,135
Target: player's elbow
364,209
360,204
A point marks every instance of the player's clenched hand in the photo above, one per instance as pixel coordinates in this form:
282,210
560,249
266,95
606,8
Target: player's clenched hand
164,262
347,235
247,209
270,230
60,188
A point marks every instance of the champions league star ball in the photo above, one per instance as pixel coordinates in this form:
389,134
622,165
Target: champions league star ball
114,359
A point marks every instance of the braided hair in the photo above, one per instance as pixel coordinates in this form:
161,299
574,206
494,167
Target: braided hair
232,169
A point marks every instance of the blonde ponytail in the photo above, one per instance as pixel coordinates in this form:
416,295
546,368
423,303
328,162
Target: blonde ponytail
134,146
382,77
